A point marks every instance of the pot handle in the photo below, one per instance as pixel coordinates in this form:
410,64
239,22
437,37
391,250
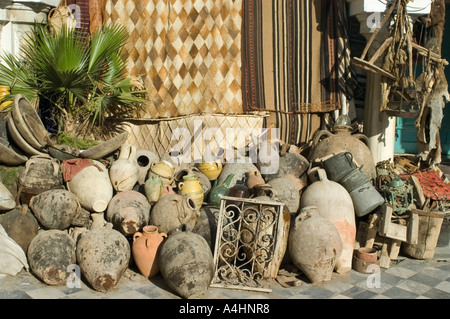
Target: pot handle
180,186
317,137
136,235
362,138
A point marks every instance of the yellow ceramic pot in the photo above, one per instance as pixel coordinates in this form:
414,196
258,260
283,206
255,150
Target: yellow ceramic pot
212,170
4,90
164,170
192,187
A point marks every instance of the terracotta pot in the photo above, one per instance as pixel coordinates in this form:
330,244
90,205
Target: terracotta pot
172,211
128,212
335,204
212,169
92,187
49,255
367,254
364,266
254,178
153,188
191,186
55,208
145,248
341,139
124,172
314,245
21,225
186,263
103,255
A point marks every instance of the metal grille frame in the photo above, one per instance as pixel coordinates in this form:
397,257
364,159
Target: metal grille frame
246,243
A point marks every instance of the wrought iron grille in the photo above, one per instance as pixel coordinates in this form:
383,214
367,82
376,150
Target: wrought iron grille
246,243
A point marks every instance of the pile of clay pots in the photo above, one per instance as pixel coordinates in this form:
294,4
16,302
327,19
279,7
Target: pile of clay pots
116,206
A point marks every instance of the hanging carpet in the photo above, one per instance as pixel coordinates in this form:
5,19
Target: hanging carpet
292,62
186,52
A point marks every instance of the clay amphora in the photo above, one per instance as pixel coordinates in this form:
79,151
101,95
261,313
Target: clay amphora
49,255
153,188
103,255
262,228
335,204
191,186
144,249
186,263
55,208
144,159
341,139
124,172
7,201
92,187
163,169
254,178
218,191
314,245
41,173
21,225
172,211
291,166
287,192
212,169
128,211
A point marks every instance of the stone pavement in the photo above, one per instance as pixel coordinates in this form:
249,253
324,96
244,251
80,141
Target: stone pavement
406,279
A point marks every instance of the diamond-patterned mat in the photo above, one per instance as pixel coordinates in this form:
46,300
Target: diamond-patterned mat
187,53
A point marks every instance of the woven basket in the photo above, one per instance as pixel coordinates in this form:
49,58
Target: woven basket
192,135
59,16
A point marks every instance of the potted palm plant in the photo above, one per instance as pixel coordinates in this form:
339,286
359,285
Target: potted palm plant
77,81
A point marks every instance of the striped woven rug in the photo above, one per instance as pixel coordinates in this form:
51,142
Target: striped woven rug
289,63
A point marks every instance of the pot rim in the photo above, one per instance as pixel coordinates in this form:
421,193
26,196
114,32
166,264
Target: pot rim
150,229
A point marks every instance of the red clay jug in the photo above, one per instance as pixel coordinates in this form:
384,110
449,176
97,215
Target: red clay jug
145,248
